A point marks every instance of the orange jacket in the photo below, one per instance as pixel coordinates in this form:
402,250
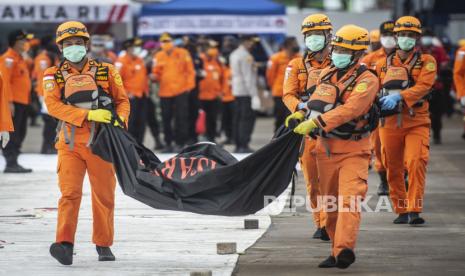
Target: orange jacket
174,71
134,74
111,83
16,77
297,80
275,71
6,124
424,75
211,85
372,58
41,63
227,89
357,100
459,73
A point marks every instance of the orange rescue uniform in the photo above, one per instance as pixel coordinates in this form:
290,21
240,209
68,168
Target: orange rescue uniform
211,85
41,62
343,174
73,164
174,71
134,75
227,88
275,71
16,77
370,61
6,124
297,80
407,145
459,73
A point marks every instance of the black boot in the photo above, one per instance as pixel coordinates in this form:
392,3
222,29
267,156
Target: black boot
401,219
16,168
345,258
324,234
383,188
328,263
105,254
62,252
317,234
415,219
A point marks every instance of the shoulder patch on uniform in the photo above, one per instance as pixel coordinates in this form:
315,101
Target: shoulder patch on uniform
361,87
49,85
430,66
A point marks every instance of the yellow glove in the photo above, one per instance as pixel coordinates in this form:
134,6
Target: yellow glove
117,123
299,116
99,115
306,127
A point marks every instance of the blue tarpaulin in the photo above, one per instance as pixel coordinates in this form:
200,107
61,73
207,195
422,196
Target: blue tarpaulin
216,7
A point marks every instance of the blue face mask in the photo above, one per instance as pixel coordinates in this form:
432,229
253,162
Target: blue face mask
341,61
406,43
315,42
75,53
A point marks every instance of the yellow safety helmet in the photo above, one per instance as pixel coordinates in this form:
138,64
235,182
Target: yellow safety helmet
407,23
374,36
71,29
461,42
351,37
316,21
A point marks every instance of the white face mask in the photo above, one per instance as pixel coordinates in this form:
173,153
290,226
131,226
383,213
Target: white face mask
388,42
427,41
137,51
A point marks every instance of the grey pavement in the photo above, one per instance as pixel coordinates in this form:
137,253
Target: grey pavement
438,248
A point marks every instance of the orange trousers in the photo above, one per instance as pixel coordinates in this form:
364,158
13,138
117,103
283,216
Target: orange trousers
310,172
343,177
72,167
376,145
406,148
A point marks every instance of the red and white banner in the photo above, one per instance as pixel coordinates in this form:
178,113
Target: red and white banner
210,24
60,13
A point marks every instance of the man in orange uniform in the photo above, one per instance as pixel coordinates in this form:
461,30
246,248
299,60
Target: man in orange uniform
227,99
17,85
299,83
459,77
45,59
210,88
388,45
275,71
67,90
406,78
6,124
375,44
135,79
338,112
174,71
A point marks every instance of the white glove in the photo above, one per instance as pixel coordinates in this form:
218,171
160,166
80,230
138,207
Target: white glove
462,101
256,103
5,137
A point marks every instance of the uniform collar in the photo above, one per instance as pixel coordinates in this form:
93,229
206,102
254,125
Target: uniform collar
409,58
67,66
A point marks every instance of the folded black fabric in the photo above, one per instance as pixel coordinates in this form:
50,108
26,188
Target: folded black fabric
204,178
